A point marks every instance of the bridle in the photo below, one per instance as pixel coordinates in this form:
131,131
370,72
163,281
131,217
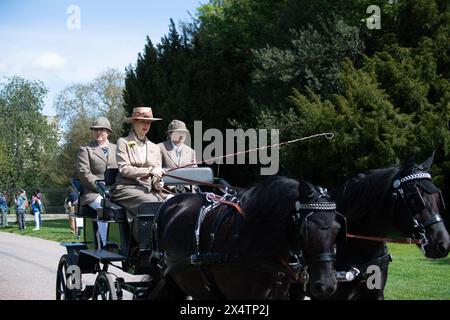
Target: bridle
300,218
419,178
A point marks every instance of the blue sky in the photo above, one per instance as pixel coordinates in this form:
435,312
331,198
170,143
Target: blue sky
39,39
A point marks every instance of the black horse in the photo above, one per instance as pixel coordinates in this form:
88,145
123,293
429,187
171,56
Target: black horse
400,199
227,254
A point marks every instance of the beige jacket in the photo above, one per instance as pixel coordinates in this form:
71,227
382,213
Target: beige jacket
170,159
131,165
91,166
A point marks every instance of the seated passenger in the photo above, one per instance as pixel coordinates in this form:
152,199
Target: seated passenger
137,157
174,152
93,160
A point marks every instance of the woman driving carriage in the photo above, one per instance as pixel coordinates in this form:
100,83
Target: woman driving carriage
137,157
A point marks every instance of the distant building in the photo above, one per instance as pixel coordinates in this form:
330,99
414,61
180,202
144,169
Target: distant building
53,122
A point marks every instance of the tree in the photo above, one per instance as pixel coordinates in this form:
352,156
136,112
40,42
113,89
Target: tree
312,60
370,132
27,142
77,106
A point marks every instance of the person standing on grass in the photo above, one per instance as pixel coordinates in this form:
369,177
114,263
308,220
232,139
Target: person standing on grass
4,210
70,203
20,202
39,196
36,206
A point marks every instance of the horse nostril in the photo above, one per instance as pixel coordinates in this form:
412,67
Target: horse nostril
442,248
330,290
319,287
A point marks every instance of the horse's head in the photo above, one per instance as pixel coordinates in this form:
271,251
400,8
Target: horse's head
319,225
421,206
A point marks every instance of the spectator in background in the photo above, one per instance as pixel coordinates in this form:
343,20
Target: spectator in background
70,204
21,204
4,210
38,195
36,207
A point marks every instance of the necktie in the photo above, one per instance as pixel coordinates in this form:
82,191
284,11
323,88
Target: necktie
105,151
178,153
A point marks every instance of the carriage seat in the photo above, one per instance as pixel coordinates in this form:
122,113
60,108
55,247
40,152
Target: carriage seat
113,211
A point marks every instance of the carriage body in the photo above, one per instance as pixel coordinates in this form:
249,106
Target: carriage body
134,252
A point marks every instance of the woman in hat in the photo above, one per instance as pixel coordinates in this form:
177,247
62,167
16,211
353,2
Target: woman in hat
137,159
93,160
174,152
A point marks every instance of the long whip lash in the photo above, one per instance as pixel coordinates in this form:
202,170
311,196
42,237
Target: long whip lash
327,135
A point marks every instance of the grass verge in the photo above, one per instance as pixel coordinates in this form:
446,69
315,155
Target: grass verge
54,230
414,277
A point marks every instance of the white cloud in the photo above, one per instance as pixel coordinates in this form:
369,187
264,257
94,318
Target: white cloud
49,61
3,66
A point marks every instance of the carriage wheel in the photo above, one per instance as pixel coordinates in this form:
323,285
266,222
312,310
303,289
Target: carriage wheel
62,291
105,287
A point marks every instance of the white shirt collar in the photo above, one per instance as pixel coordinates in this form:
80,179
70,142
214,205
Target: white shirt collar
176,148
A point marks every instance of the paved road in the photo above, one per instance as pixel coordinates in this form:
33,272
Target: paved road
28,268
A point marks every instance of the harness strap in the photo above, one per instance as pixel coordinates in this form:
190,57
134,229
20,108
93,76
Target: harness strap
324,257
234,205
433,219
382,262
217,227
210,284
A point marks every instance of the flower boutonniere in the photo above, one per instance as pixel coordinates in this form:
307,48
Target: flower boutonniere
132,144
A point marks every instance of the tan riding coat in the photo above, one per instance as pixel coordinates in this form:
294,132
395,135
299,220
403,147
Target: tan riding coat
91,166
134,160
170,159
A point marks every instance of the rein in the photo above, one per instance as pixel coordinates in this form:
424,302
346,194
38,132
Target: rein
218,199
381,239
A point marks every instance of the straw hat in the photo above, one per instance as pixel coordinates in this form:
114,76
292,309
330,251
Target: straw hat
142,113
101,123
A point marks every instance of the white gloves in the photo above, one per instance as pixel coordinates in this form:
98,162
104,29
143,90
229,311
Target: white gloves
157,172
157,182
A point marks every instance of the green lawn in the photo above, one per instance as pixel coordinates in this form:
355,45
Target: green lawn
412,276
55,230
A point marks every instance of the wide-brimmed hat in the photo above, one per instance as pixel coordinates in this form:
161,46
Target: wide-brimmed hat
101,123
142,113
177,125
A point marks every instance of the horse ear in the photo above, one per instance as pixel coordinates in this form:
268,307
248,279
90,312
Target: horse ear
409,165
427,163
305,191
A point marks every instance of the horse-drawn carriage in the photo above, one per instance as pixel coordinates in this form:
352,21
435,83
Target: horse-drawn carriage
274,240
180,232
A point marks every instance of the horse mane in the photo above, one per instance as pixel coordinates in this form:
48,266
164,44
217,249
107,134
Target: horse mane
367,194
267,206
